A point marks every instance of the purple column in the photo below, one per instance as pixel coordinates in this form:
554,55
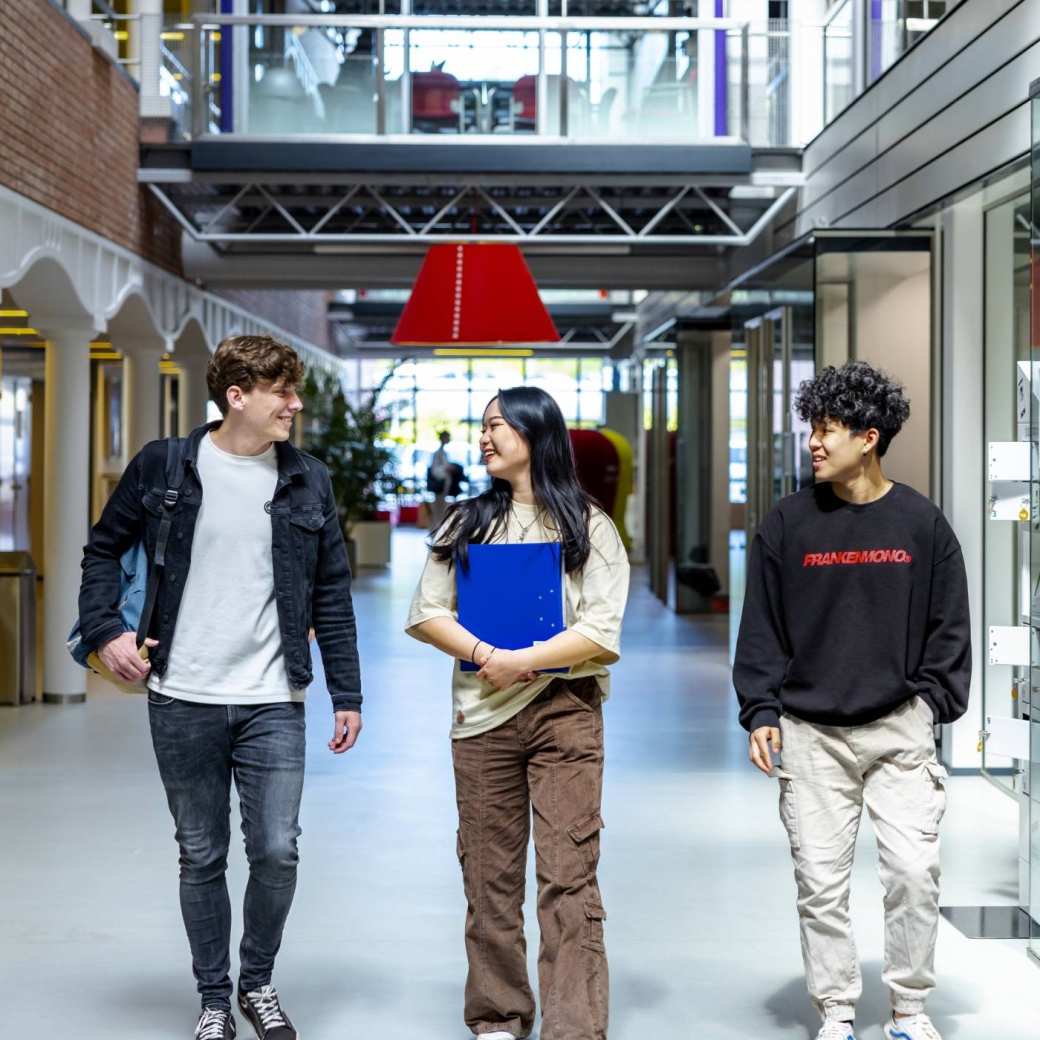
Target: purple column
227,100
721,76
876,30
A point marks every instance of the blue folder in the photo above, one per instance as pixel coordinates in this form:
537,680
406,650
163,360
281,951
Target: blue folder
512,595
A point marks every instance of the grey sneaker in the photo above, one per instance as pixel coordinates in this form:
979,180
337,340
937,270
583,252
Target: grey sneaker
834,1029
916,1027
265,1014
215,1024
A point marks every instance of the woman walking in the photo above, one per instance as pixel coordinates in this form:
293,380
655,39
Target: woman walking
526,739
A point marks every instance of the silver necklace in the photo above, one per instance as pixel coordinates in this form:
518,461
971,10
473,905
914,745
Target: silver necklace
523,529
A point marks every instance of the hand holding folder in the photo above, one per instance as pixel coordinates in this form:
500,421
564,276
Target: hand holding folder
512,595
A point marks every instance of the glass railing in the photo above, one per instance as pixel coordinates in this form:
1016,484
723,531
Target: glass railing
839,79
631,78
612,70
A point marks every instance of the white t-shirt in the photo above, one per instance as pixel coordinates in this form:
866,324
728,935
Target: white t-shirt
227,646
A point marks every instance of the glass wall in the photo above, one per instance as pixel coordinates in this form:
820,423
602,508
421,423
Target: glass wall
838,70
1005,421
874,302
15,459
1034,680
429,395
895,26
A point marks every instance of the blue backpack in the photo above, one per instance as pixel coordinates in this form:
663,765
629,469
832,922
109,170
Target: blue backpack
139,576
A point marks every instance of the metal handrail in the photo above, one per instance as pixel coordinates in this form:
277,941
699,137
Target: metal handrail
169,58
305,72
533,23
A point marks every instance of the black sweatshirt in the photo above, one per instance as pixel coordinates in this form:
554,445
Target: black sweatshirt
851,610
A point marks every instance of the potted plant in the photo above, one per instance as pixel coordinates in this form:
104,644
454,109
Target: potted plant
348,437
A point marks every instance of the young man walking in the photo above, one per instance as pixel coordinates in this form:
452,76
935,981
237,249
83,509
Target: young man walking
255,558
854,642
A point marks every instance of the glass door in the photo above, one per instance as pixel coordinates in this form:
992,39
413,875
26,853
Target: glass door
1031,709
874,303
777,441
777,332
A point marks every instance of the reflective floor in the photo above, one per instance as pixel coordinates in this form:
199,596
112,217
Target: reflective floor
696,873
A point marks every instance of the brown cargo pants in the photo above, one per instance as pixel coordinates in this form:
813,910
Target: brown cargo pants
549,759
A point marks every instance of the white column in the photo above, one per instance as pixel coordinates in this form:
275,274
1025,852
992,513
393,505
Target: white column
706,73
721,351
147,50
66,503
806,69
193,393
143,394
963,458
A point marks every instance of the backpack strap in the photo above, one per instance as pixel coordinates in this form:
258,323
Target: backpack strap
174,477
174,472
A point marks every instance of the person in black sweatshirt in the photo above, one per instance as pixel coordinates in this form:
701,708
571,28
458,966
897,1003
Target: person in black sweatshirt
854,642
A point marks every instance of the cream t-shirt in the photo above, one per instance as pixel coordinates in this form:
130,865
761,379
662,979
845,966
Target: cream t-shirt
594,604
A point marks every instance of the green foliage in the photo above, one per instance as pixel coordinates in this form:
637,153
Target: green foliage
344,436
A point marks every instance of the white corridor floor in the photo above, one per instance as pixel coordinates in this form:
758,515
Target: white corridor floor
696,875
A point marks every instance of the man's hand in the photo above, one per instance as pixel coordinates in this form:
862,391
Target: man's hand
122,658
504,668
761,740
348,729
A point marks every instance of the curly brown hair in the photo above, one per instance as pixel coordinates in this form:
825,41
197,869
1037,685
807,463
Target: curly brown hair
245,361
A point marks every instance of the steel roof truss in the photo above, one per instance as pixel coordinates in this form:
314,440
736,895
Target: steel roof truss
335,209
718,211
205,229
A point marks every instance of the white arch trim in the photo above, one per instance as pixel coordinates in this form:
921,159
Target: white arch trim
104,276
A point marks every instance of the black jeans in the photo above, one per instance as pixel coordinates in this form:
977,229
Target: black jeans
199,748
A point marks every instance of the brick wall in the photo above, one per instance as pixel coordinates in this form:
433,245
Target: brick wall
69,125
304,313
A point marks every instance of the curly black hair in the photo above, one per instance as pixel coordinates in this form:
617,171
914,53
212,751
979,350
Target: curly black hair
858,396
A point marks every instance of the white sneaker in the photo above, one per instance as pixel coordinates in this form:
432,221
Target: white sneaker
835,1029
499,1034
917,1027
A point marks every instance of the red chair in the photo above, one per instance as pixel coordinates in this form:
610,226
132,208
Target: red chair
436,101
525,102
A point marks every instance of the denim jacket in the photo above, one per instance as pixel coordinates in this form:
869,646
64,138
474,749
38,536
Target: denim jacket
311,572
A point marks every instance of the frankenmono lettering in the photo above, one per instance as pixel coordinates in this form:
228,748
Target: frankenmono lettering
857,557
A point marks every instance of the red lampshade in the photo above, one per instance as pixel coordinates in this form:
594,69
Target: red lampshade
474,295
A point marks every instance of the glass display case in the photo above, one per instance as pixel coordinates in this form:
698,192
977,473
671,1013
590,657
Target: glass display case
1007,424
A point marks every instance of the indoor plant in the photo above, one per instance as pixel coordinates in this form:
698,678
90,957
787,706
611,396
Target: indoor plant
347,436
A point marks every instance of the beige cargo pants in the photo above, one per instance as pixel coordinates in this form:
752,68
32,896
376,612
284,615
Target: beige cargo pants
826,775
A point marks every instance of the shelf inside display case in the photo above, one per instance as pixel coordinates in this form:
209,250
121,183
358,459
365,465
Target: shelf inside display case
1009,645
1010,496
1009,462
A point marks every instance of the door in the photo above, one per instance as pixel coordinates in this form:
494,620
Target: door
777,441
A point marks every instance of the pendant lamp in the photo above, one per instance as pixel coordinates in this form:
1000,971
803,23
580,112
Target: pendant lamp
479,294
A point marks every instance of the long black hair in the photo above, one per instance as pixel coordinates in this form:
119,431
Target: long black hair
554,480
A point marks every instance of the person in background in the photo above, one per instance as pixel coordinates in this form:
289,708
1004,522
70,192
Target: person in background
437,480
255,557
854,642
524,740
